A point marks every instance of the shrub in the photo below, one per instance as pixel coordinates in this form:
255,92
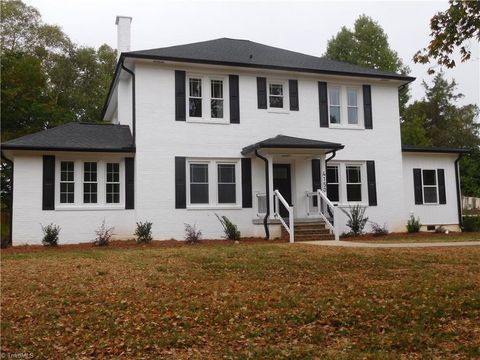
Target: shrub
230,229
356,219
50,234
192,235
471,223
413,224
378,230
441,230
143,232
104,235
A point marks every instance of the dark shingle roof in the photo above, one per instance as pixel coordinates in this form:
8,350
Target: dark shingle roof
247,53
77,137
283,142
431,149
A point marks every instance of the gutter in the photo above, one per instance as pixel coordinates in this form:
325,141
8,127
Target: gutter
334,152
267,192
133,101
459,197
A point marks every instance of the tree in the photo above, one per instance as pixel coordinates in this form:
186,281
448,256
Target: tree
367,45
46,79
437,120
450,29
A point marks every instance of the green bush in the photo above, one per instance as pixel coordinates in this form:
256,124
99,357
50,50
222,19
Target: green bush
50,234
230,229
413,224
104,235
143,232
471,223
356,219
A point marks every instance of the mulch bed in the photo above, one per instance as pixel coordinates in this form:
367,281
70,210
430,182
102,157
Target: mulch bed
131,244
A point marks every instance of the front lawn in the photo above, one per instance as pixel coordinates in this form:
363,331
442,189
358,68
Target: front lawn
242,301
423,237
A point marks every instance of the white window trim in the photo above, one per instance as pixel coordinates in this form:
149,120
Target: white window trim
286,98
206,97
344,107
66,182
78,203
342,178
119,182
213,183
88,182
436,188
338,180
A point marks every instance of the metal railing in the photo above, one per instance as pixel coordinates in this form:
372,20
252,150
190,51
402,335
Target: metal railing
279,199
319,205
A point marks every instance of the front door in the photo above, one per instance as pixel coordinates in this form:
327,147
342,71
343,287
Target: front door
282,182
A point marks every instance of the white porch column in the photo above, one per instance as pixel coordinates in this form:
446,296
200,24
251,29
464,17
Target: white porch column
270,182
323,169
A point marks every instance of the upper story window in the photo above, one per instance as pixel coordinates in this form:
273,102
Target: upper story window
67,182
275,95
207,98
343,106
430,186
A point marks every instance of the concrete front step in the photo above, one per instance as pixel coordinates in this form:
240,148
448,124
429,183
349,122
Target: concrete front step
309,231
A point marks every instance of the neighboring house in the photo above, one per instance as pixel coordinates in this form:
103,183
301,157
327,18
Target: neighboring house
235,128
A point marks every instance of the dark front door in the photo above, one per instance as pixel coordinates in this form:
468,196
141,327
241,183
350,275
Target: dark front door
282,182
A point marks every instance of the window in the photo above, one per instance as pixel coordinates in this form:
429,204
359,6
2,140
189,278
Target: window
90,182
343,106
213,183
275,95
216,96
352,106
430,187
195,97
354,183
333,184
67,182
113,183
199,184
226,184
334,104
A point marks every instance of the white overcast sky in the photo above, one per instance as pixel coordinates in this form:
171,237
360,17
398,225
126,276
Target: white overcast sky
303,26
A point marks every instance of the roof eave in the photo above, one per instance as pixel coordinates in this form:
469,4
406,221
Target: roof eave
436,150
250,149
69,149
405,78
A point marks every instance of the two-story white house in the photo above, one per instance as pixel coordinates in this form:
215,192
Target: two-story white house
270,138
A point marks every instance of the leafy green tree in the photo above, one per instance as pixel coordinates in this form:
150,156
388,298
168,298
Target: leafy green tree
437,120
367,45
450,29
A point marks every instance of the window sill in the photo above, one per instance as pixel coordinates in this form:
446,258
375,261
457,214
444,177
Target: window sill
89,208
214,207
346,127
277,111
208,121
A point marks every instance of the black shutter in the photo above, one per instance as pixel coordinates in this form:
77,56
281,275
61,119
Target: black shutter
180,100
262,92
367,106
442,196
234,99
180,183
246,183
129,183
316,177
48,186
371,183
293,94
323,103
417,184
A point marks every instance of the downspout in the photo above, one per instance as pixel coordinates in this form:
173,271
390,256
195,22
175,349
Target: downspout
331,157
133,102
459,197
267,192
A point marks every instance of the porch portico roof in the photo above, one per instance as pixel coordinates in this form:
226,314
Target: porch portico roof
290,142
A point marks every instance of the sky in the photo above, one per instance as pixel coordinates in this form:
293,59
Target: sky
303,26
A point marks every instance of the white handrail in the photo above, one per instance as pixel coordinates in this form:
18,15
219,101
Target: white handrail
323,205
290,228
